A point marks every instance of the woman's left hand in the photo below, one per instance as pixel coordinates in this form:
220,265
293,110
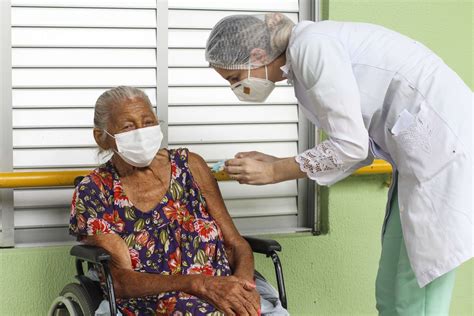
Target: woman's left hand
249,170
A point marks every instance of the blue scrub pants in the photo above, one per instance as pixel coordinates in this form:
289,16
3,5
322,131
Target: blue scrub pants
397,291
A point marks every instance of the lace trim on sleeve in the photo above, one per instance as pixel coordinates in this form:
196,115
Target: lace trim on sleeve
322,158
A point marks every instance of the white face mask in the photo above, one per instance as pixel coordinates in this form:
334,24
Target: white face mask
139,146
253,89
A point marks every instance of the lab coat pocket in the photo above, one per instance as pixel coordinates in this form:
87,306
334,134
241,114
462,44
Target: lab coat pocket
425,143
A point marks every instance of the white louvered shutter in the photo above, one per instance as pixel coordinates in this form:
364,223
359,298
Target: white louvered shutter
205,116
65,53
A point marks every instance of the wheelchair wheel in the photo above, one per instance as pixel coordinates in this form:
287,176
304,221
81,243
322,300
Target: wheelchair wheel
81,300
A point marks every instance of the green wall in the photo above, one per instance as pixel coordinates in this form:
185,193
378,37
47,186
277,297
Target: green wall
445,26
331,274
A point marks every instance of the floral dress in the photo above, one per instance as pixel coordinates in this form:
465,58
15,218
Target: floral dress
177,237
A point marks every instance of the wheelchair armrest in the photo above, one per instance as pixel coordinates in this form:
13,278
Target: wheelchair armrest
95,255
90,253
264,246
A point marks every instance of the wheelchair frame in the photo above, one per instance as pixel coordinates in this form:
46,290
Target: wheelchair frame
98,256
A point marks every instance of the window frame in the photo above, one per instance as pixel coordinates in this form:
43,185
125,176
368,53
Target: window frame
307,197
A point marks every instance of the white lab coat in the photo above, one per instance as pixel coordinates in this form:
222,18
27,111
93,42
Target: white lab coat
377,93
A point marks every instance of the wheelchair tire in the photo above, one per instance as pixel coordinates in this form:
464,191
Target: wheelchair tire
85,305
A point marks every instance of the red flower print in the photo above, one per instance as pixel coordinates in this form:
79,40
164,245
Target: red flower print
210,250
207,230
151,245
175,211
188,223
107,178
119,226
115,220
142,238
97,226
96,179
134,258
199,269
203,211
174,262
119,197
166,307
127,312
185,296
175,170
73,205
101,179
81,222
177,235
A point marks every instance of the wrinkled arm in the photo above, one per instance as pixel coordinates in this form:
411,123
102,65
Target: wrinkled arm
238,250
228,294
129,283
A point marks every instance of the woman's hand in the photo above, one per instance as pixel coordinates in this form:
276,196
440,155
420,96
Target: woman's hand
256,155
257,168
251,168
229,294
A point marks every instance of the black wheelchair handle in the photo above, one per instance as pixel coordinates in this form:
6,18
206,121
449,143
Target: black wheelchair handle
91,254
264,246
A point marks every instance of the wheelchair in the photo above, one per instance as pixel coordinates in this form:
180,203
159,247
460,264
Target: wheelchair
83,298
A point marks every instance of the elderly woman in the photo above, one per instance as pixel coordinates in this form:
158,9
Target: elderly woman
174,247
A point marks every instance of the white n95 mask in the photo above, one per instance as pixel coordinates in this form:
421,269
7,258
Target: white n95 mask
139,146
253,89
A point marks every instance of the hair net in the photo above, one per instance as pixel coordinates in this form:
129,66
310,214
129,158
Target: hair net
240,41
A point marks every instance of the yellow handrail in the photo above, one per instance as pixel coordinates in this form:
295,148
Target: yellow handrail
58,178
66,177
40,178
379,166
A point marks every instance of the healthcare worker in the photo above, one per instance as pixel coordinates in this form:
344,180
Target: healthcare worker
375,93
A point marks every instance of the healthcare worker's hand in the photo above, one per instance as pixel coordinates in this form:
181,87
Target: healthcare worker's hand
256,155
257,168
251,168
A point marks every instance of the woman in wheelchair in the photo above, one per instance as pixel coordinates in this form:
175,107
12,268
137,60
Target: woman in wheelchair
160,214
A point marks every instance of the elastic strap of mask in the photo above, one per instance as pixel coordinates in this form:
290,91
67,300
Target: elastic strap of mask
266,71
109,134
113,138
